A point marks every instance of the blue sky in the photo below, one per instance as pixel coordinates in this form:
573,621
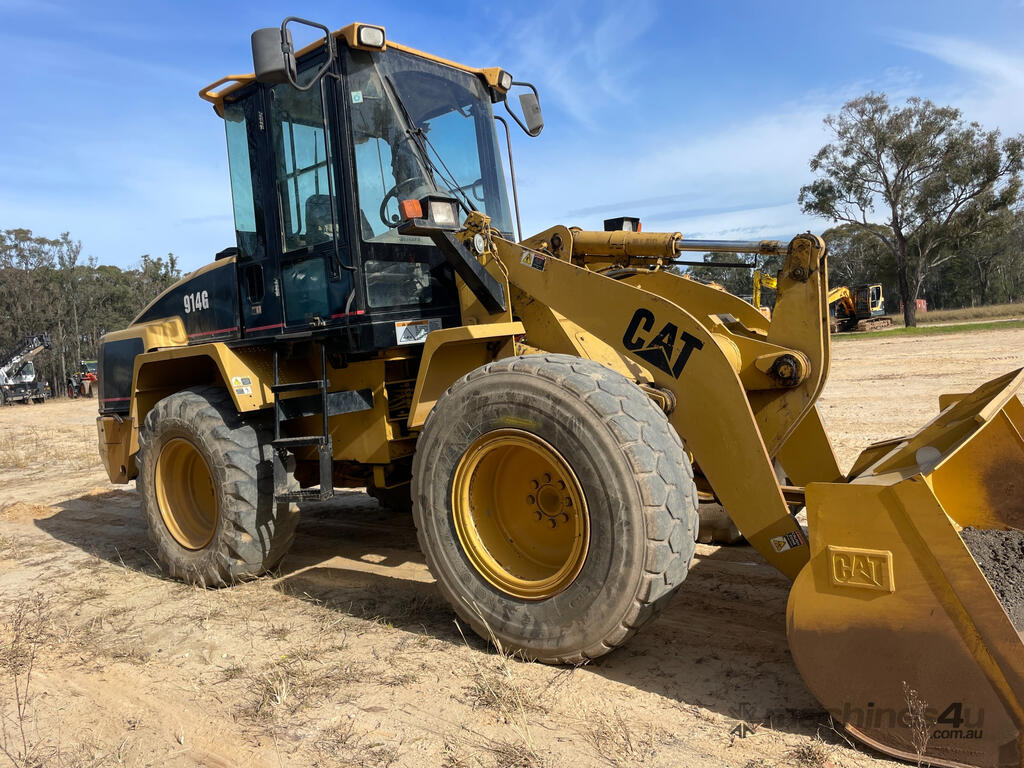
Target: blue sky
698,117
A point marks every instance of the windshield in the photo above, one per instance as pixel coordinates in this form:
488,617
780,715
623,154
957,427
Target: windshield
452,109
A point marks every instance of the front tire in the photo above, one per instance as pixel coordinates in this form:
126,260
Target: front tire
207,490
554,504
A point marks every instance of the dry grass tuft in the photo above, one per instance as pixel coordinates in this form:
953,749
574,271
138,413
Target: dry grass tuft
25,632
67,447
515,754
344,744
618,741
292,684
813,754
500,688
496,684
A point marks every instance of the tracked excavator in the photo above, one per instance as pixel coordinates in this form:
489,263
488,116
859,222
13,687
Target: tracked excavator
862,309
552,405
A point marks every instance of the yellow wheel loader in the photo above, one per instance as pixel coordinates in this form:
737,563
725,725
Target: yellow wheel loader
551,406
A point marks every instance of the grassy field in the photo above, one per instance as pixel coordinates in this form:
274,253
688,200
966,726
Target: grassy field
965,314
933,330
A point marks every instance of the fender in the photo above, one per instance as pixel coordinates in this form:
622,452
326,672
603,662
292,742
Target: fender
163,372
450,354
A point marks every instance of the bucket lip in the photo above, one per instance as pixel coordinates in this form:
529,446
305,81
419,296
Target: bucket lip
910,757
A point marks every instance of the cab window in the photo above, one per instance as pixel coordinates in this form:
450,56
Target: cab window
307,205
241,178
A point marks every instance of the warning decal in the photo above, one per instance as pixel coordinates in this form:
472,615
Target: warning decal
534,260
415,331
790,541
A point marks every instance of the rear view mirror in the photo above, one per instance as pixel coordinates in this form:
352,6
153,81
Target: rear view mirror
273,54
531,113
272,57
532,121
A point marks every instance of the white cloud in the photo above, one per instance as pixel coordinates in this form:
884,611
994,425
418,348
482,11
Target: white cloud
579,52
741,179
990,86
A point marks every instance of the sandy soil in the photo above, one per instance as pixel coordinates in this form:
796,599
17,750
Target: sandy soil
349,657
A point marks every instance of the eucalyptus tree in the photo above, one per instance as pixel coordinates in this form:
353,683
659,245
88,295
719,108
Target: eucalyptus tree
917,177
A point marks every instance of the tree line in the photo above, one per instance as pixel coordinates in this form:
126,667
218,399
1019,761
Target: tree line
46,287
920,200
923,201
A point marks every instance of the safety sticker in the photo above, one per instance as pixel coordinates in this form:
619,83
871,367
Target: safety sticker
243,390
415,331
788,542
357,97
534,260
241,381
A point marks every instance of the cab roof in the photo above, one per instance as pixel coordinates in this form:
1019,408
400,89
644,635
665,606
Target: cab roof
350,35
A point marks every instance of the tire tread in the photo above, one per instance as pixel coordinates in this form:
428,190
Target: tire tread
650,444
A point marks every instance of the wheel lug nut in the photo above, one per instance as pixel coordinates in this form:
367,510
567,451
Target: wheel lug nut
534,484
552,521
561,485
531,499
539,515
547,478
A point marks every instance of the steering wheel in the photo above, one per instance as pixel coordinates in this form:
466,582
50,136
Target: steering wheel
472,189
393,192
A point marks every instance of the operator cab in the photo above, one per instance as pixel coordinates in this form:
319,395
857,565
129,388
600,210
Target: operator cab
317,177
868,300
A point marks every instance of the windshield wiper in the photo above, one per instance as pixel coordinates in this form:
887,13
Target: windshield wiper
414,133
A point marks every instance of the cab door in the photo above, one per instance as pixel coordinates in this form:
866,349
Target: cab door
259,292
310,236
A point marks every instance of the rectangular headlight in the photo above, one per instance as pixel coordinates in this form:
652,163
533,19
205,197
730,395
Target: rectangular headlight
444,213
371,37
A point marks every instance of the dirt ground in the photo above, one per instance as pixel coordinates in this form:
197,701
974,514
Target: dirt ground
348,656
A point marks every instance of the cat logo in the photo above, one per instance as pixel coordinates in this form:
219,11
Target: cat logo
862,568
659,350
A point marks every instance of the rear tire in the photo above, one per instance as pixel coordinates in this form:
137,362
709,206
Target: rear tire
624,505
206,482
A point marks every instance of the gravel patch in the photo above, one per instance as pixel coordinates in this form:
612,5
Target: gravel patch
1000,554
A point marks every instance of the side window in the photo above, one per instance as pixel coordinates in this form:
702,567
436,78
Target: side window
303,168
241,179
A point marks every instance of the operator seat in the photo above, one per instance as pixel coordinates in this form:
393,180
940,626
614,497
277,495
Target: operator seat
319,220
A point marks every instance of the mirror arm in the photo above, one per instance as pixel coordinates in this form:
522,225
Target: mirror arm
512,174
289,53
515,117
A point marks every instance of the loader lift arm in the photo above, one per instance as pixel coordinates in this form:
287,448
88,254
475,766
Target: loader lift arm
755,386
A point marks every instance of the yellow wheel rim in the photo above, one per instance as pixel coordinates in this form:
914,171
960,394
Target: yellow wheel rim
185,494
520,514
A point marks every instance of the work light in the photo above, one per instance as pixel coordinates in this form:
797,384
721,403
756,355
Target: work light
371,37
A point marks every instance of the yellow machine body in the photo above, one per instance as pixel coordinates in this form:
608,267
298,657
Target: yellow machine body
889,609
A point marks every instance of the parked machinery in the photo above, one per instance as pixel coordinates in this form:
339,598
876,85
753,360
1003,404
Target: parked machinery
18,381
